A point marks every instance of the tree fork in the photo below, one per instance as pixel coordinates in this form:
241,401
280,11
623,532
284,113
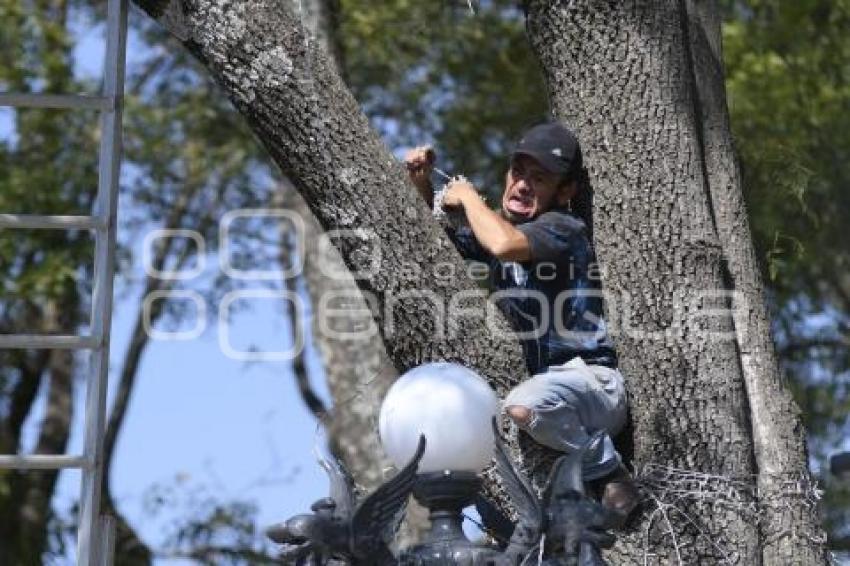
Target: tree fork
314,130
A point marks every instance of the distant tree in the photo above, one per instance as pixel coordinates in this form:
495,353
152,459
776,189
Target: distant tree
190,167
41,289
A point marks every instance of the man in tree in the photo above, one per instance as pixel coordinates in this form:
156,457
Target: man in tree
544,268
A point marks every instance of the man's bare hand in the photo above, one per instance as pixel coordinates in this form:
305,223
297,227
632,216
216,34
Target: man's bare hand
420,163
457,190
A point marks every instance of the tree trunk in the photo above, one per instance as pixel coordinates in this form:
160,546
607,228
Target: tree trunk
621,74
791,530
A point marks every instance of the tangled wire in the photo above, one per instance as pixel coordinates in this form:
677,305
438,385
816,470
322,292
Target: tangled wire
668,492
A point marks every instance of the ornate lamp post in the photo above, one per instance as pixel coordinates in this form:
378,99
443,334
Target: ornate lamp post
437,424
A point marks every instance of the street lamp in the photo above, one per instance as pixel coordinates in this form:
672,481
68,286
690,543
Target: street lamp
453,408
437,424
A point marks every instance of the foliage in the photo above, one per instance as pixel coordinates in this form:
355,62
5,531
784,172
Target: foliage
207,530
433,72
47,167
43,169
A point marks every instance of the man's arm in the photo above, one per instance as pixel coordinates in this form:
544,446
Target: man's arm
495,234
420,162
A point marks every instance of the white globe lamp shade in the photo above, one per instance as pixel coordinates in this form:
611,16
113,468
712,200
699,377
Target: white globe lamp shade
452,406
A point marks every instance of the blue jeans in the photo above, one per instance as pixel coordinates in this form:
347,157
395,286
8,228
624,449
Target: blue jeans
569,403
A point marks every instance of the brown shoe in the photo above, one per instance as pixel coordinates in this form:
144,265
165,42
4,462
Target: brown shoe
619,494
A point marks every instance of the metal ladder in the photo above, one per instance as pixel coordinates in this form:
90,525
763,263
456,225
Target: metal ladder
96,533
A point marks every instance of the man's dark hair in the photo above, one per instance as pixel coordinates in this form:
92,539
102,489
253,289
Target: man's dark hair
582,202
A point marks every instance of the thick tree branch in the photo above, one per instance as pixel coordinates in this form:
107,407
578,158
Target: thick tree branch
316,133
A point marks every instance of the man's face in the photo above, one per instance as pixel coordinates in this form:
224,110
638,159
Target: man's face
530,190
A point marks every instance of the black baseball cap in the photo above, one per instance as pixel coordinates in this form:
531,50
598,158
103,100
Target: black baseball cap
555,147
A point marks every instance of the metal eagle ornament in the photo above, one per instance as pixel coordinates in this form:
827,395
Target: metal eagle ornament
341,531
563,527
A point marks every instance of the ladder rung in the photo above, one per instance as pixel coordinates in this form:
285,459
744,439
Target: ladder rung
48,342
64,101
36,221
41,462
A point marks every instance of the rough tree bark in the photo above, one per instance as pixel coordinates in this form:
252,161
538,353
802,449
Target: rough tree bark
666,211
791,530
